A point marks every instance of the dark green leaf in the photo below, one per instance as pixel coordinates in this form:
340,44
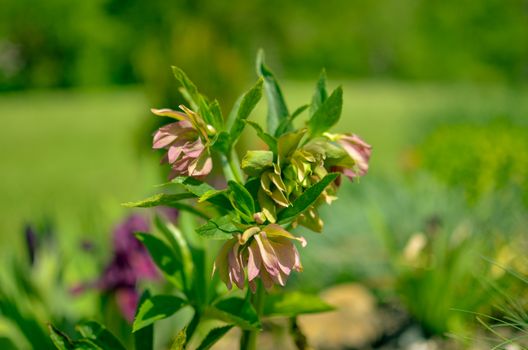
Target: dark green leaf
59,339
156,308
180,340
320,94
218,228
327,115
144,338
277,109
267,138
236,310
254,162
213,336
287,124
306,199
164,257
241,199
199,188
216,114
99,335
290,304
159,199
248,103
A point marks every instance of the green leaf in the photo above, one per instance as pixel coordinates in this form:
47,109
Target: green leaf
159,199
164,257
306,199
156,308
222,142
216,114
320,94
191,92
218,228
59,339
254,162
199,188
327,115
267,138
287,124
242,200
180,340
289,304
213,336
144,338
238,311
179,245
99,335
277,109
247,104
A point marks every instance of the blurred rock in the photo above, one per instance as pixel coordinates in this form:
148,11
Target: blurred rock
355,323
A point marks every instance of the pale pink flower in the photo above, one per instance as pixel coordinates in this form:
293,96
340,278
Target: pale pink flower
183,140
267,253
359,151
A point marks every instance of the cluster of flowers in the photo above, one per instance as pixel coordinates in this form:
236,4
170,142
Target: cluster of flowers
264,249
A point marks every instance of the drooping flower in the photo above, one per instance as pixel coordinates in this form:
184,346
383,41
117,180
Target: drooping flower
267,253
359,151
185,142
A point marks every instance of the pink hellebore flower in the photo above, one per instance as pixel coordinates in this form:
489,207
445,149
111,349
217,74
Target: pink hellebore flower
359,151
267,253
184,141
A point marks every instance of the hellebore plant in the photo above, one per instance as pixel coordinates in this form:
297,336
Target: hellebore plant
268,194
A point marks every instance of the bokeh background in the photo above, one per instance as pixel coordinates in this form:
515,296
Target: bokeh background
434,233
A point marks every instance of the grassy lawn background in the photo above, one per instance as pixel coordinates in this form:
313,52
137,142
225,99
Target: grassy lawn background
75,156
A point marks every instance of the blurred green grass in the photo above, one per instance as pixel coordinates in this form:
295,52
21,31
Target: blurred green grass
74,156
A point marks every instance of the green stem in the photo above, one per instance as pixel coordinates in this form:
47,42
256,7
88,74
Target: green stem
249,338
231,167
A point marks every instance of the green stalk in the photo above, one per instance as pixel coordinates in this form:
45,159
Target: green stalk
231,167
248,340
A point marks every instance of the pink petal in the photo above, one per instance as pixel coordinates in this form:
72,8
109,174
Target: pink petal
254,261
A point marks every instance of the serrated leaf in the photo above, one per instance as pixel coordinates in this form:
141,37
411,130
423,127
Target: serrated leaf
99,335
320,95
164,257
246,106
218,228
277,109
287,123
238,311
327,115
59,339
289,304
213,336
254,162
267,138
242,200
306,199
199,188
156,308
159,199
